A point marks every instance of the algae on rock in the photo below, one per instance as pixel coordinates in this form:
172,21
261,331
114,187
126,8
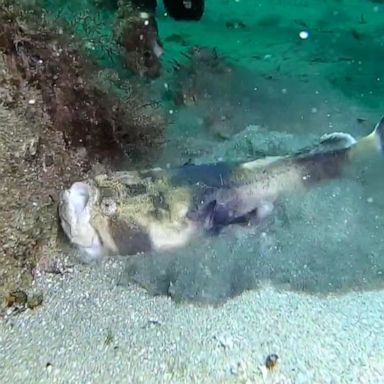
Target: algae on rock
34,163
60,118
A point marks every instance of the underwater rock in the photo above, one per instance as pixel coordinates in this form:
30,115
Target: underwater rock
18,301
35,300
29,188
271,361
90,113
61,118
17,297
178,9
185,9
142,5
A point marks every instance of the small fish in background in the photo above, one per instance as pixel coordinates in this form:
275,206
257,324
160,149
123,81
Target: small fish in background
127,213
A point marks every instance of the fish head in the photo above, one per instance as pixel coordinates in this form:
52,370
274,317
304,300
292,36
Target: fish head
75,212
92,220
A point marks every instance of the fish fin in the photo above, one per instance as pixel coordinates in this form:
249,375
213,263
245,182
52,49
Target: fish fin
379,135
218,216
339,139
260,163
374,142
328,142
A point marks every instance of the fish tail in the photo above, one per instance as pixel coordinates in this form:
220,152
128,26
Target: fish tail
374,142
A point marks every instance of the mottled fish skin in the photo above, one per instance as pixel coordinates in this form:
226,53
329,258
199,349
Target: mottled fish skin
323,166
125,213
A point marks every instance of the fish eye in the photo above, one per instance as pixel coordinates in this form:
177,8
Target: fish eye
108,206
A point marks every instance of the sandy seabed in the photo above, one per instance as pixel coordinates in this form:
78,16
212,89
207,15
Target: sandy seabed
91,330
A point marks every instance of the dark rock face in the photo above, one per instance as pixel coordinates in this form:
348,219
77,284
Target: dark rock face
185,9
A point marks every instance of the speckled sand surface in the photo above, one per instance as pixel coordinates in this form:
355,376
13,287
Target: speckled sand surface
90,330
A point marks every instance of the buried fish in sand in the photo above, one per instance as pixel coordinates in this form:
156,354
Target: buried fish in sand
125,213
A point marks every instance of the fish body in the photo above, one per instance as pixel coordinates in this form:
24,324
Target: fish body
126,213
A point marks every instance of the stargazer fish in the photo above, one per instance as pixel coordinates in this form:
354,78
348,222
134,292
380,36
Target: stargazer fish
125,213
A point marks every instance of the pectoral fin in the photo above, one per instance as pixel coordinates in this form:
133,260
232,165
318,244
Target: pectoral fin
218,215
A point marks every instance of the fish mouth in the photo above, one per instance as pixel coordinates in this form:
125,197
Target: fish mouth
75,212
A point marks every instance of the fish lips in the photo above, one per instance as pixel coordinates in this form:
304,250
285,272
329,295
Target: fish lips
75,208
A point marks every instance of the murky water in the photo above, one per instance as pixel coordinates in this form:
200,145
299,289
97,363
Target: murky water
294,89
282,74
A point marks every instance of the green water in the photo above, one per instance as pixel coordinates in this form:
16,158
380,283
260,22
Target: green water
336,71
344,46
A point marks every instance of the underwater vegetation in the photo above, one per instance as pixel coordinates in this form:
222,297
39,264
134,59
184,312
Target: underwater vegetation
81,100
62,115
207,84
138,33
191,77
